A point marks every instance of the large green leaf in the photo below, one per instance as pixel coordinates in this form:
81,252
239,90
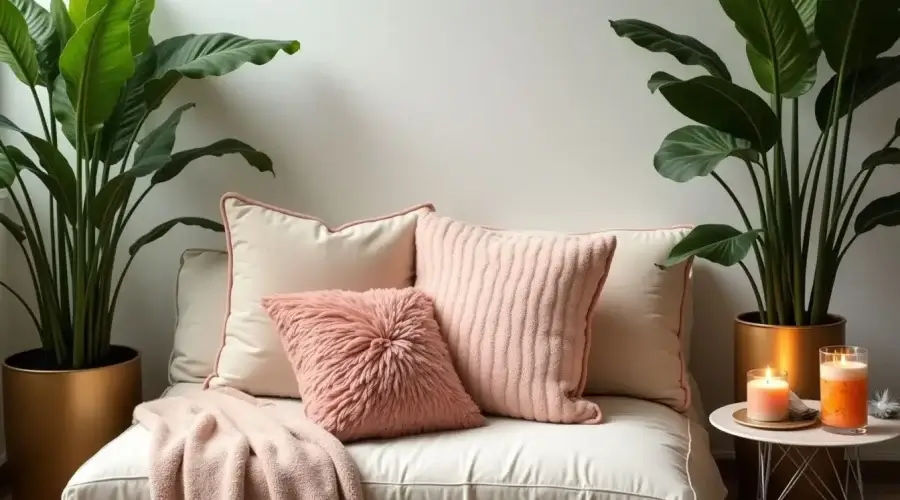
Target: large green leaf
687,50
119,129
181,159
139,25
884,211
200,56
695,151
887,156
63,110
778,48
161,230
856,31
871,79
42,31
61,21
155,150
717,243
723,106
17,49
97,62
17,231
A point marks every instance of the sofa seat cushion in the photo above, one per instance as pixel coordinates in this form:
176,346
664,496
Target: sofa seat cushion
643,451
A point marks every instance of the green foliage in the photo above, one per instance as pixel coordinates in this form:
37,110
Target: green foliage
102,77
785,41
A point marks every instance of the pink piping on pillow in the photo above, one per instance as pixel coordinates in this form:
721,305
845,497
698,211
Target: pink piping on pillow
289,213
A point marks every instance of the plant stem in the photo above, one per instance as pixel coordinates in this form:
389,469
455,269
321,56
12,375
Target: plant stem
799,281
759,301
737,202
839,189
851,209
821,288
40,110
37,324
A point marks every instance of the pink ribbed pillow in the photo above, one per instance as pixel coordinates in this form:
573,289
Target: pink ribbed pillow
515,308
371,364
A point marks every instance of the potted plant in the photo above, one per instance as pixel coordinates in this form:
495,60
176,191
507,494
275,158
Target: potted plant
95,75
807,193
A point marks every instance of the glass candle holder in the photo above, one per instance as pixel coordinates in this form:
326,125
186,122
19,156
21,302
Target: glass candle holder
844,388
768,395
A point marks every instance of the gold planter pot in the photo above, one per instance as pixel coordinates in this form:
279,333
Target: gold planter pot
791,348
55,420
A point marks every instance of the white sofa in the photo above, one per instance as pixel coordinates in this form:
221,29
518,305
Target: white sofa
643,450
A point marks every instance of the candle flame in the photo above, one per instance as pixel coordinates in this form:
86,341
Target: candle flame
768,374
843,359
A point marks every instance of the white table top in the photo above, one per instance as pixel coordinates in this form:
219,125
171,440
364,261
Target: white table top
878,430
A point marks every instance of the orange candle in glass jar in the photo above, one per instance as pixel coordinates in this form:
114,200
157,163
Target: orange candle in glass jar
844,387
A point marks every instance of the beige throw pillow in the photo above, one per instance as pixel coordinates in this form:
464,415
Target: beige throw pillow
272,250
642,322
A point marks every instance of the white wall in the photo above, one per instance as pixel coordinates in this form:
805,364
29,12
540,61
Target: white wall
515,113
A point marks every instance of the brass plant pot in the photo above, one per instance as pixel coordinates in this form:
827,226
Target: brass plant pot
56,419
791,348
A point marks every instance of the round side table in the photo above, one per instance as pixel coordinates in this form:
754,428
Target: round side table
790,443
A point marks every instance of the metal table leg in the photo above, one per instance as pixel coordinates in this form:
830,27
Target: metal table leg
802,462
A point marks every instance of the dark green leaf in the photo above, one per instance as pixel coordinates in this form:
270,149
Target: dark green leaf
57,175
871,79
686,49
126,117
61,21
807,9
180,160
155,150
21,160
884,211
42,31
16,46
200,56
887,156
695,151
718,243
776,38
161,230
724,106
8,169
63,111
809,78
17,231
855,32
659,79
112,197
139,25
97,62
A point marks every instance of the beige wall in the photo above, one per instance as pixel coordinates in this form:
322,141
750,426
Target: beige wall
514,113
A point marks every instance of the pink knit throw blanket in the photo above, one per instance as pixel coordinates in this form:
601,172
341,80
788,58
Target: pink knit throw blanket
226,445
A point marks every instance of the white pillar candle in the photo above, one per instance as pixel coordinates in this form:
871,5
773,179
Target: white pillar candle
768,396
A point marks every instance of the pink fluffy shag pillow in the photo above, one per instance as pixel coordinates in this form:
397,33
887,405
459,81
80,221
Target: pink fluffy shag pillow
371,364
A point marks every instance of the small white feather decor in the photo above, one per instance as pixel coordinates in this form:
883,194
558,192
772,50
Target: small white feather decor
884,406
